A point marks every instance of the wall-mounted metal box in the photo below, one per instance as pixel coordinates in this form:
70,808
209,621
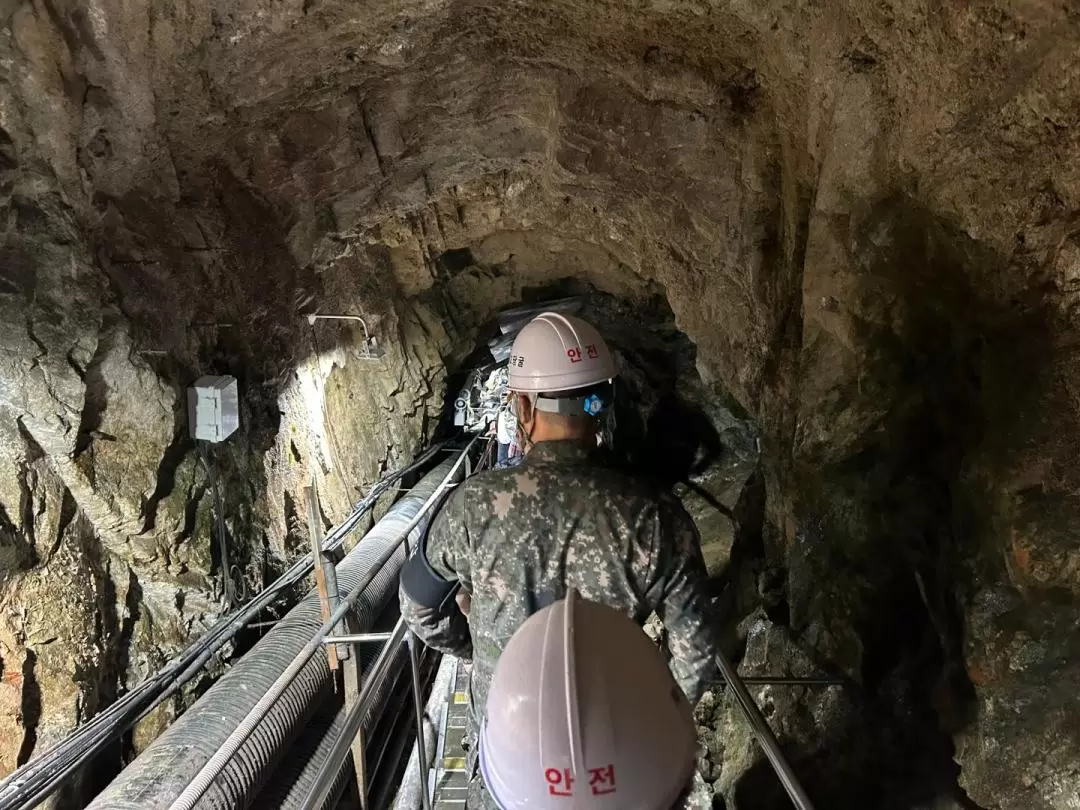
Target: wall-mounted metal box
213,408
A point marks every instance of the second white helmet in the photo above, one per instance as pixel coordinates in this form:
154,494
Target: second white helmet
556,353
584,713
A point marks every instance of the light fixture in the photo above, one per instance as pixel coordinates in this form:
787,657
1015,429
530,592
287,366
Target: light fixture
372,350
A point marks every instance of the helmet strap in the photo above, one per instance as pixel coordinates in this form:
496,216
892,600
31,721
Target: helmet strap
592,404
565,407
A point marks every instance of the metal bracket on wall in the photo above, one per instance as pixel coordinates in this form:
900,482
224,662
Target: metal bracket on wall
371,351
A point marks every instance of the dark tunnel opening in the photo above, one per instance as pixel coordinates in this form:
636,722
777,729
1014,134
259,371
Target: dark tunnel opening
661,411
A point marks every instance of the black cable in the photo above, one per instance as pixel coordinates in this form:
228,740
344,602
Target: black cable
32,783
214,479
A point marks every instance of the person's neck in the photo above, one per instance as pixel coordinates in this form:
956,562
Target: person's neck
560,433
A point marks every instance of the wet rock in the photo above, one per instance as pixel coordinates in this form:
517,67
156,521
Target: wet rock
848,745
1021,660
806,721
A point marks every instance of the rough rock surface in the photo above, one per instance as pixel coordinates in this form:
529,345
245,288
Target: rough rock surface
863,216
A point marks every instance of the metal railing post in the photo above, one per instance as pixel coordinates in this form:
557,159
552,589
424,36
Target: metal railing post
354,718
206,775
325,574
418,706
354,683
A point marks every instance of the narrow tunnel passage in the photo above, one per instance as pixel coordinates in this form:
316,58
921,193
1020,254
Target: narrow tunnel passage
833,245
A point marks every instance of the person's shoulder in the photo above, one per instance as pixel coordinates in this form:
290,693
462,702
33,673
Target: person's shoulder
618,482
641,492
473,496
488,483
604,480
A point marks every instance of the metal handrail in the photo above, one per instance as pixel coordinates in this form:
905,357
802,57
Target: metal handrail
33,782
764,734
214,766
324,782
418,708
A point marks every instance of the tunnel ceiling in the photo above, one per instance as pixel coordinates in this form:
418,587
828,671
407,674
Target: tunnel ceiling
863,216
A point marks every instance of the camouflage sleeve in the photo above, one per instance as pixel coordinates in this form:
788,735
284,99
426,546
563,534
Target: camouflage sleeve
682,604
446,631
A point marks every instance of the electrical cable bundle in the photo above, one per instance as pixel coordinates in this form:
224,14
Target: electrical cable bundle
34,781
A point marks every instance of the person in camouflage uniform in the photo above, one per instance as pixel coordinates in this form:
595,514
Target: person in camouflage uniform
516,540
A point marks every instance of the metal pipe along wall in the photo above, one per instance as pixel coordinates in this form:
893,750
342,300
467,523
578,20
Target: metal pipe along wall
162,772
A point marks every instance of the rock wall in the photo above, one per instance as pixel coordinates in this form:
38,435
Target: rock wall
120,286
863,217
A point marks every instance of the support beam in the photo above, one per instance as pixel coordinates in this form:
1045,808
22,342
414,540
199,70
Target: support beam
315,531
353,677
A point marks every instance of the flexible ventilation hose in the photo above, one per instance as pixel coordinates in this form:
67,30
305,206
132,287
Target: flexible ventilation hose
163,772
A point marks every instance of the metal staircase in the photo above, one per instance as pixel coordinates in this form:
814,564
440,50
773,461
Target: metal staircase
450,782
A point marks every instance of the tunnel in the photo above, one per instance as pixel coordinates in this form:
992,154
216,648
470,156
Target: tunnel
833,246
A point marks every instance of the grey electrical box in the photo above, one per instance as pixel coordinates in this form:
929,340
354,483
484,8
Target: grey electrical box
213,408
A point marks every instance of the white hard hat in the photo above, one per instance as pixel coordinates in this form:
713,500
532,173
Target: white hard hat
556,352
583,713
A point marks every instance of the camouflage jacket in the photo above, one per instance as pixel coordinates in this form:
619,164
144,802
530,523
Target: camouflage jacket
518,539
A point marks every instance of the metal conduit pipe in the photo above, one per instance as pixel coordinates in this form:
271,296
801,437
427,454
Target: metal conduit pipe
395,753
165,769
216,765
386,719
335,761
317,740
305,747
399,742
31,784
293,778
291,783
